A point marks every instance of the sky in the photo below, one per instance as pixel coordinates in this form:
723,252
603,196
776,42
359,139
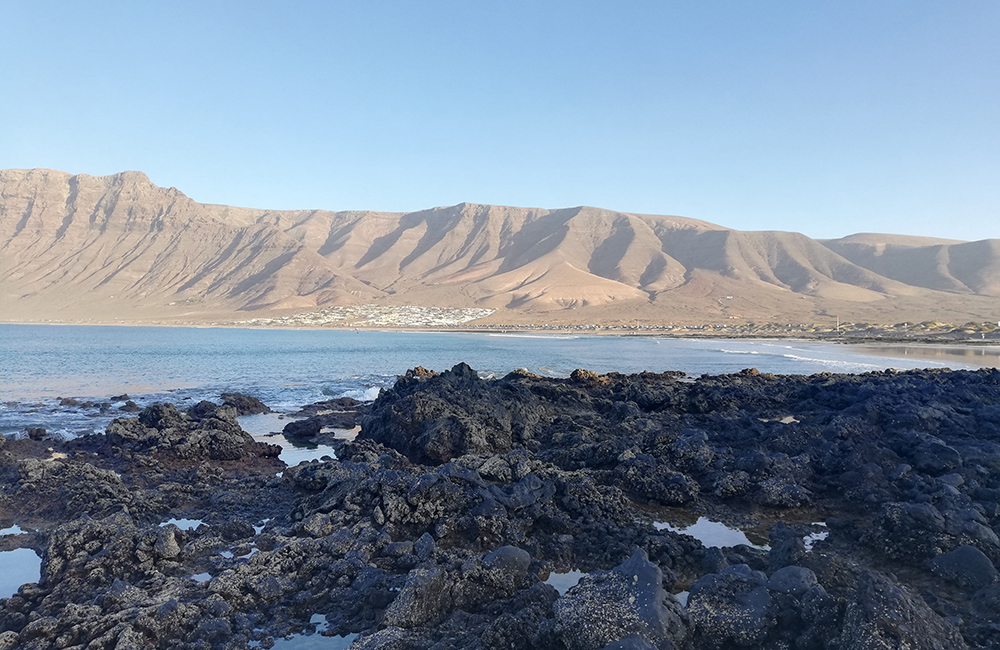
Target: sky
826,117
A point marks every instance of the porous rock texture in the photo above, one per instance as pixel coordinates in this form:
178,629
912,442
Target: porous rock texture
437,526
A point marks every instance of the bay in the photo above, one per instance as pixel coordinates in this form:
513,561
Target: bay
291,368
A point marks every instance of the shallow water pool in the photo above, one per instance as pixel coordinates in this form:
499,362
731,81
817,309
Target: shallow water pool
292,454
711,533
18,567
267,427
183,524
565,581
811,539
315,641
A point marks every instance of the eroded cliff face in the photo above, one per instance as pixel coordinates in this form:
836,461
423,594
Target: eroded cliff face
96,248
85,244
868,502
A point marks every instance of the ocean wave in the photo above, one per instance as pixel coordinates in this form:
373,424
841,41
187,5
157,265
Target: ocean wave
833,362
363,394
852,365
562,337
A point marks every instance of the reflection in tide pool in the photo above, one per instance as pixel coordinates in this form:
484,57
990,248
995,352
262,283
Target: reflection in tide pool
711,533
13,530
315,641
563,582
262,424
263,428
292,455
810,540
183,524
18,567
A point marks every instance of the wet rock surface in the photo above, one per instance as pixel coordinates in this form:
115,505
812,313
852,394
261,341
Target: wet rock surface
436,526
245,404
320,417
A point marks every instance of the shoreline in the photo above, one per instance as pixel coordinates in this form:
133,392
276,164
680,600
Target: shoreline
38,403
544,499
694,332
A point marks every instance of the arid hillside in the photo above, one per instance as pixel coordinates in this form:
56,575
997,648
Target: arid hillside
961,267
100,249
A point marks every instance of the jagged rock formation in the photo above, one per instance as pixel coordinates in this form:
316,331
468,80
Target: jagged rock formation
433,531
96,248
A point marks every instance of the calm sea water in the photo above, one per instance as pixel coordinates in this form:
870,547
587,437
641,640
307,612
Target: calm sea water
290,368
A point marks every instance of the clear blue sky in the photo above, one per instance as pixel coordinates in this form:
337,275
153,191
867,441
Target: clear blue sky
825,117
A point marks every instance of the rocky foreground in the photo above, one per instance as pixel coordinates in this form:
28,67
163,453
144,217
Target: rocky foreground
436,527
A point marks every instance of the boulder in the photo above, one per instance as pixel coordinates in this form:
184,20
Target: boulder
651,480
966,566
508,558
162,416
782,492
787,547
245,404
882,614
986,603
628,600
908,531
424,598
67,489
732,606
792,580
206,431
302,429
434,418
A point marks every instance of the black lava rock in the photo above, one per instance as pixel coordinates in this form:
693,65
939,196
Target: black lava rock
245,404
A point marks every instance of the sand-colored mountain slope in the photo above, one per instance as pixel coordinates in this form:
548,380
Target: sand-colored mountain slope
100,248
944,265
84,243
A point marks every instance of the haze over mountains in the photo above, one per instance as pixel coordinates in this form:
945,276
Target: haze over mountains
119,247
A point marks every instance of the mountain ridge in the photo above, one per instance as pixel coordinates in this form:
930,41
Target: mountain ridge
96,248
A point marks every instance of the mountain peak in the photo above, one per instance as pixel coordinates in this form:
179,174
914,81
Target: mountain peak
119,244
130,176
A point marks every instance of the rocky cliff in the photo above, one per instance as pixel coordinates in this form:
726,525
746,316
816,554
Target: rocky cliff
100,248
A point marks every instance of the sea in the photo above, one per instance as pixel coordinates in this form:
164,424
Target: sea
287,369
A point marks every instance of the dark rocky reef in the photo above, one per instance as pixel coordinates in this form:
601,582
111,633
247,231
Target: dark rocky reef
340,413
436,527
205,431
245,404
460,415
